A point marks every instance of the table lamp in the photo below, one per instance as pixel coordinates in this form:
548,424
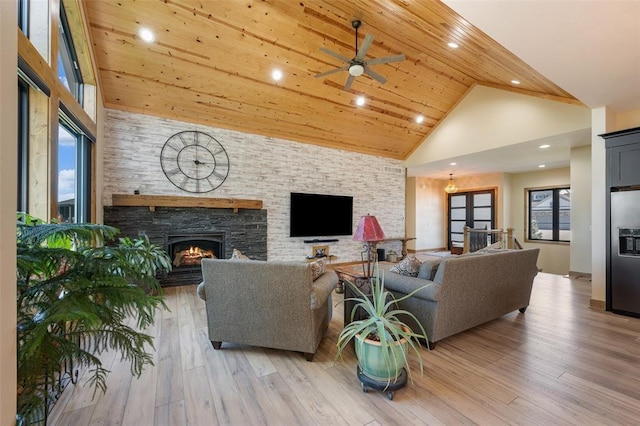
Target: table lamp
370,232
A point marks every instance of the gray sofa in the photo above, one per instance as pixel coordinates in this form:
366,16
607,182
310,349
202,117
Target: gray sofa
268,304
468,290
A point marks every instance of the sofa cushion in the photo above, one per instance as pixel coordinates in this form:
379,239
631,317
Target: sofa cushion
409,266
318,268
405,285
472,253
491,248
428,268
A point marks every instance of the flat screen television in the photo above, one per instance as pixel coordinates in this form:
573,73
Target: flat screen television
319,215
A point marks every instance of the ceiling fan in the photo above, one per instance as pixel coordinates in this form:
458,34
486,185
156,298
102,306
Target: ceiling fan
358,65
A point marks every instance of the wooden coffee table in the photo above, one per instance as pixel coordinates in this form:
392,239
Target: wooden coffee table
358,277
352,273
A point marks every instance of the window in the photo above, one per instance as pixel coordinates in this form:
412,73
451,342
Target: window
549,214
23,16
23,146
66,189
68,68
74,173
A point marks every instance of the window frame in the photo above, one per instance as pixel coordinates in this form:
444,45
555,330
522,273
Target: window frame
23,16
555,214
23,146
68,59
52,27
83,167
469,212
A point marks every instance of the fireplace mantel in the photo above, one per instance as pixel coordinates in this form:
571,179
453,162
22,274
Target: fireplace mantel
153,201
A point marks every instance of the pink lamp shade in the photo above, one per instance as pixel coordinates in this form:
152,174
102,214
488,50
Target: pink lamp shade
368,229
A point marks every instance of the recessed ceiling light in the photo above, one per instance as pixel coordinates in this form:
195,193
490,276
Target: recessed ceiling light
146,35
545,146
453,45
452,164
419,119
516,82
360,100
542,166
276,74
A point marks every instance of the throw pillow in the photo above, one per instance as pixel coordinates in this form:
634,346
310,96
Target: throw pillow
473,253
428,268
409,266
317,268
492,248
237,254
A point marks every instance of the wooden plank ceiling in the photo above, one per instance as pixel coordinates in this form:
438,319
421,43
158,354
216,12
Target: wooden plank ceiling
211,64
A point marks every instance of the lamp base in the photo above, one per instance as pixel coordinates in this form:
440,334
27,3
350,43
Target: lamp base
368,256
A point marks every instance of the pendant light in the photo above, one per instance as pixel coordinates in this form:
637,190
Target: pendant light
451,186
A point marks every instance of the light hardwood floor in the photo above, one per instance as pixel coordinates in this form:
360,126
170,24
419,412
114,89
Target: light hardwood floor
560,363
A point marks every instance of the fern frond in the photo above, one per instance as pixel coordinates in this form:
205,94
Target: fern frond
76,297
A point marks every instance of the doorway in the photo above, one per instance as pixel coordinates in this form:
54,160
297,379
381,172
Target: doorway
475,209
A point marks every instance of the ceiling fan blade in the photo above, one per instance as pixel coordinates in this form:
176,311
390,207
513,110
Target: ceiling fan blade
374,75
349,82
322,74
386,60
335,55
368,39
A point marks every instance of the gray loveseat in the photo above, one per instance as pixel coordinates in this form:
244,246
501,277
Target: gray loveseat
468,290
266,303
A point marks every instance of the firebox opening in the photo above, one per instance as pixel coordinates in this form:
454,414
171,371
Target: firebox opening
187,252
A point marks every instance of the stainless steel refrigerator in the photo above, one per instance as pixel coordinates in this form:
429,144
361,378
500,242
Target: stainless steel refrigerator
625,251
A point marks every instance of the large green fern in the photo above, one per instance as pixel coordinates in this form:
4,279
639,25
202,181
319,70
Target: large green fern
77,297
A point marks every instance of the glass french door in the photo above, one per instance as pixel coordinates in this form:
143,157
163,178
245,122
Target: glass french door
475,209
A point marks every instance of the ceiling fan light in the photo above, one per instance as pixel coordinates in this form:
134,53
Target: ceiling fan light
356,70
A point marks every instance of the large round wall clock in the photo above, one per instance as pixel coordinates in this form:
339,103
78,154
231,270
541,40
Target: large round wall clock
194,161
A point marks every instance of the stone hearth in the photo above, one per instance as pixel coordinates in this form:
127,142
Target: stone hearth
245,230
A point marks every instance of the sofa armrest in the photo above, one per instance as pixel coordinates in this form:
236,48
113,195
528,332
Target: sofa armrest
322,288
202,291
405,285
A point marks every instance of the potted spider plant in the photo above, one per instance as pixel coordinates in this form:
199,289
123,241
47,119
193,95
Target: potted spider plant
382,341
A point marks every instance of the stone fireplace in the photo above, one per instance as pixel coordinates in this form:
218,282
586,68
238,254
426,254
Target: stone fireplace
189,234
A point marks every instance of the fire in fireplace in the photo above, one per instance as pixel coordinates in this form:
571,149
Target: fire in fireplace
187,251
191,256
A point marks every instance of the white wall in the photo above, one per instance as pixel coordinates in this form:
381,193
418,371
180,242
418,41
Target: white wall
490,118
628,119
580,251
603,122
8,185
262,168
429,207
554,257
410,211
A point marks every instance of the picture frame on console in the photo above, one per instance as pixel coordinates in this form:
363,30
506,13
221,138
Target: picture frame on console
320,251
